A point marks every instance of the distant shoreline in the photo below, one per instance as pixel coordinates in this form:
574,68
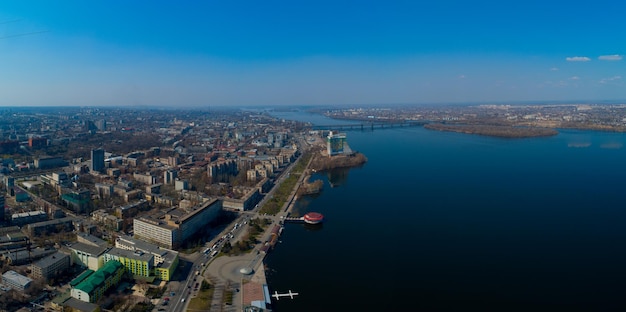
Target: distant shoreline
495,131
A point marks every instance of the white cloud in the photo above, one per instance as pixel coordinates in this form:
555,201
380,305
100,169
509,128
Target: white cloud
461,77
574,78
554,69
613,57
577,59
610,79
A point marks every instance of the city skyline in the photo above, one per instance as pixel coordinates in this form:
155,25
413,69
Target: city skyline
284,53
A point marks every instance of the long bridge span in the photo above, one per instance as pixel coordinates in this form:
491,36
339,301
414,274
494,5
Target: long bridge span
370,125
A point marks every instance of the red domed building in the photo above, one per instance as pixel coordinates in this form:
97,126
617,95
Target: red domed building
313,218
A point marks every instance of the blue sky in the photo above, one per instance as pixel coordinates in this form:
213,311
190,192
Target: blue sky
202,53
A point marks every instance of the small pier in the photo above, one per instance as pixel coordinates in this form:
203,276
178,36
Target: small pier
310,218
289,294
293,219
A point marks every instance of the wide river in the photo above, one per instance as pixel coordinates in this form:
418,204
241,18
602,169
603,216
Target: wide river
439,221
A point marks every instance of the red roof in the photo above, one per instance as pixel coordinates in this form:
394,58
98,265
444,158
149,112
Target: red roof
313,216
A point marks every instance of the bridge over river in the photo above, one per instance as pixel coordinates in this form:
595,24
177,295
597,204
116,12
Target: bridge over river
371,125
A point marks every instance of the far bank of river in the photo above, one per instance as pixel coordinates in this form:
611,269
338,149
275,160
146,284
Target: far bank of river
494,131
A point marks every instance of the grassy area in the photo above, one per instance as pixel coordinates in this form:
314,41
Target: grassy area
256,228
273,206
202,301
281,195
302,162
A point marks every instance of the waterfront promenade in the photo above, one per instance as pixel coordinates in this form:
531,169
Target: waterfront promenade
225,273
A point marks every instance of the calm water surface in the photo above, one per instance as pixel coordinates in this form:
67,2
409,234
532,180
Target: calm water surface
438,221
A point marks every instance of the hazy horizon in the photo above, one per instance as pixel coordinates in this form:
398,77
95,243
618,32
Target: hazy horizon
278,53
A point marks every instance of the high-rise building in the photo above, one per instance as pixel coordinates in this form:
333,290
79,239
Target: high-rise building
97,160
169,176
9,181
1,207
101,125
335,143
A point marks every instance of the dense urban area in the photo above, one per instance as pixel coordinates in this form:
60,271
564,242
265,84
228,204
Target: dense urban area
102,207
114,209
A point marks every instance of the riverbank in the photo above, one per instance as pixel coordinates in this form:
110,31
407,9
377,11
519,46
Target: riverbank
321,162
494,131
309,188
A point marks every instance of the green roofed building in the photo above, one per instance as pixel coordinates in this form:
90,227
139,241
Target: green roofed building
80,278
93,287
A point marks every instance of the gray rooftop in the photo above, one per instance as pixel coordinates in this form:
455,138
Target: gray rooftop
81,305
18,278
168,255
51,222
24,254
28,214
92,240
137,255
168,260
141,245
88,249
50,260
